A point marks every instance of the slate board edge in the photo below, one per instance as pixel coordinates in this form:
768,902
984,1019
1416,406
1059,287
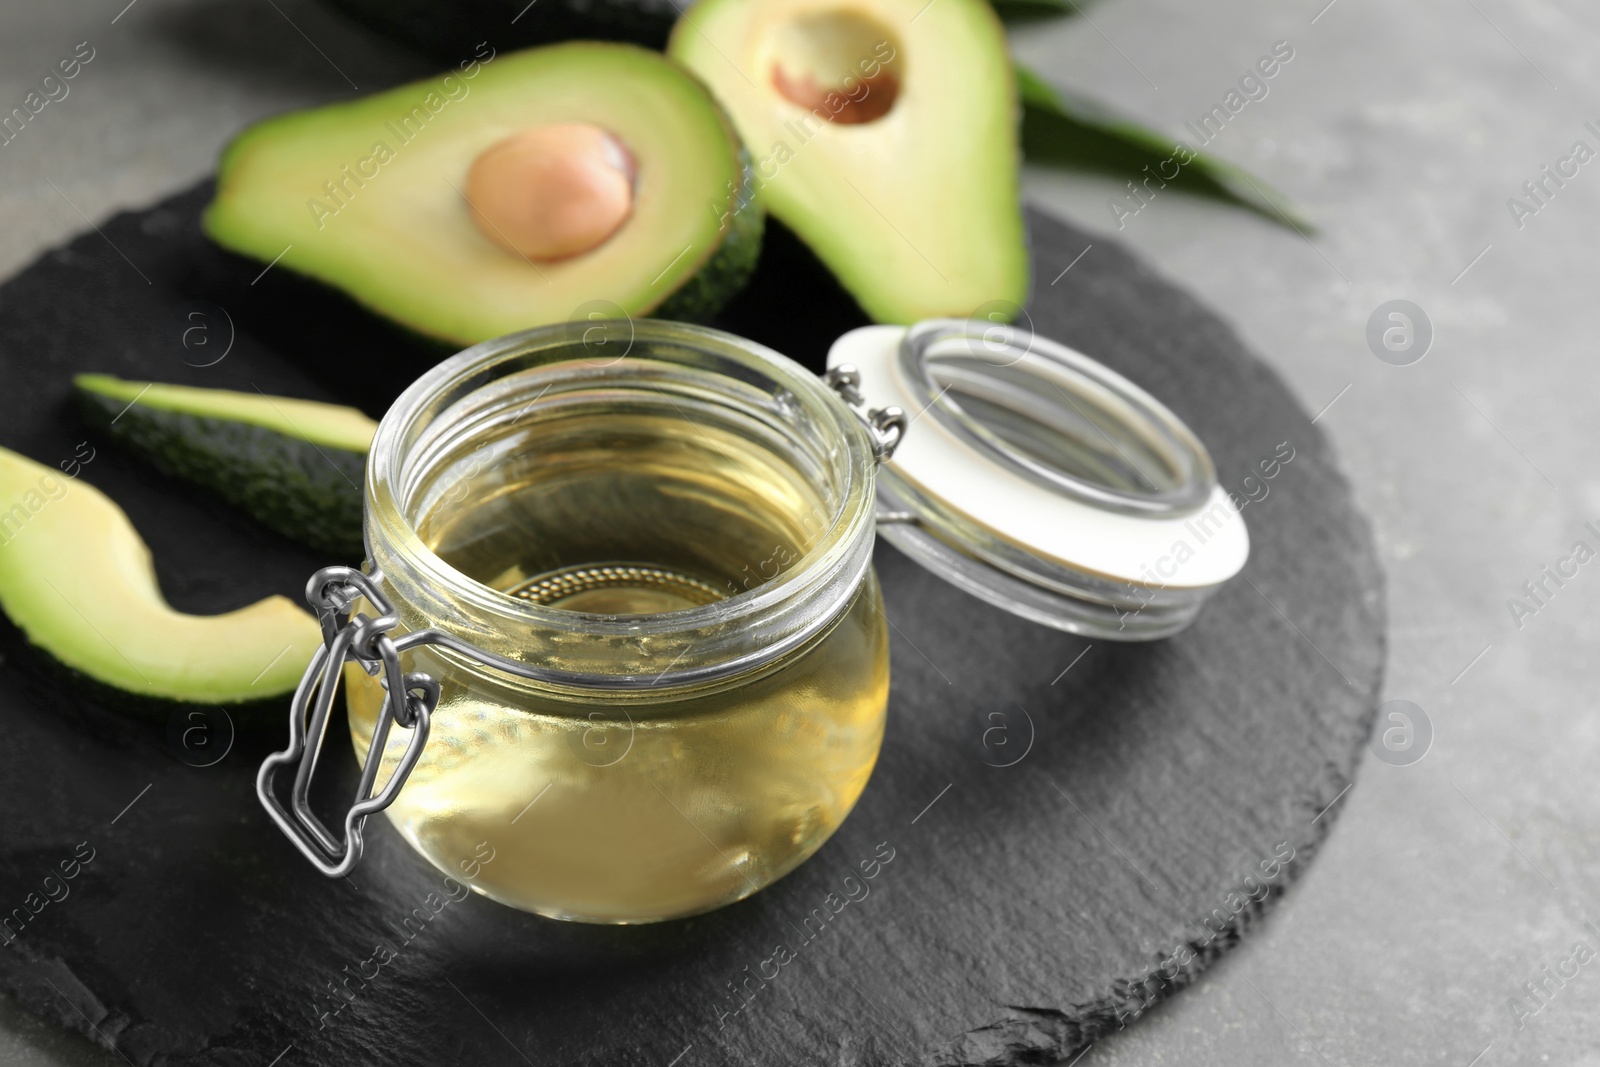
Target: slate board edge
1016,1038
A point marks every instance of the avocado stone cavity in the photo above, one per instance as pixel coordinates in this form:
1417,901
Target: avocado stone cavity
884,133
77,580
371,196
296,466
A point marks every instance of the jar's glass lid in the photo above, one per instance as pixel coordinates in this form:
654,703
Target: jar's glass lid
1038,479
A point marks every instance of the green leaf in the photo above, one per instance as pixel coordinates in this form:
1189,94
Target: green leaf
1065,130
1034,10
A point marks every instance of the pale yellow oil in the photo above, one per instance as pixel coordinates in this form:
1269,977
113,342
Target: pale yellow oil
636,808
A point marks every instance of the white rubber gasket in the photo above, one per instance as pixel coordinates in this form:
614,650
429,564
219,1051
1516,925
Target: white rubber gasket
1198,550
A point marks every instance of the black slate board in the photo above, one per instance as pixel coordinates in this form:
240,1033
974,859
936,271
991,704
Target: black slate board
1028,909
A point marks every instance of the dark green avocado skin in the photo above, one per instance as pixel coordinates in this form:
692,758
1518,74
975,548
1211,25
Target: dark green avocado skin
449,31
309,493
729,268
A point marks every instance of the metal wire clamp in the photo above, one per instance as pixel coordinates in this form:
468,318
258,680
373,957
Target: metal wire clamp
887,425
408,703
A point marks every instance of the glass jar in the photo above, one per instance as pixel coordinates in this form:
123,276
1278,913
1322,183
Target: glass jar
628,565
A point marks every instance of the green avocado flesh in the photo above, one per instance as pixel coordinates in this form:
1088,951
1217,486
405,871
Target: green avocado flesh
369,196
884,133
296,466
76,578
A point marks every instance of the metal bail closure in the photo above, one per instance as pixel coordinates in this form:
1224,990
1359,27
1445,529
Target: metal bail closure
887,425
409,703
332,593
1038,479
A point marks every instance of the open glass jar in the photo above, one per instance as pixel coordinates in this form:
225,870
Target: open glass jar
627,566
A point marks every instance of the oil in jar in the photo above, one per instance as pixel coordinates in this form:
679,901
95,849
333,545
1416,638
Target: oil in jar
641,805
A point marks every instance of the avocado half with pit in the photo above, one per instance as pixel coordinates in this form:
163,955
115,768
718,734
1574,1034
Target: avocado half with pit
76,579
568,183
884,133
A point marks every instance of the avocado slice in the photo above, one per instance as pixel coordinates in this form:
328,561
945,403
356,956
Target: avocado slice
296,466
884,133
384,197
76,579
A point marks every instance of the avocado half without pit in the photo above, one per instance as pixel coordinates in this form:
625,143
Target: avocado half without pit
884,133
531,188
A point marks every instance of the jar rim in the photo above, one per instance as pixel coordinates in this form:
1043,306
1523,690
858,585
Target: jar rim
846,539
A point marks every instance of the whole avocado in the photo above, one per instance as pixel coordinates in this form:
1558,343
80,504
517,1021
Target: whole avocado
449,30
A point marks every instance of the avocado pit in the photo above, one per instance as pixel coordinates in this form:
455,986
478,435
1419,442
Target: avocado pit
550,192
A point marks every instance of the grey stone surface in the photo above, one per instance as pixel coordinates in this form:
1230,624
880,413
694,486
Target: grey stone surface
1401,130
